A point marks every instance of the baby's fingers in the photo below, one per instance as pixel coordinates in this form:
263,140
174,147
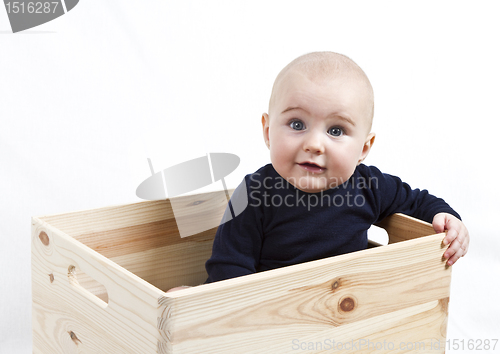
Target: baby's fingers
447,222
450,236
457,236
457,249
455,230
454,253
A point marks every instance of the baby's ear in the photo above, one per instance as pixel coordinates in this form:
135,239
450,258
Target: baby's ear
370,139
265,128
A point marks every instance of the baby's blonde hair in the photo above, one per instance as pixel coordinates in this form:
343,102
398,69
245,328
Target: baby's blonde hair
323,64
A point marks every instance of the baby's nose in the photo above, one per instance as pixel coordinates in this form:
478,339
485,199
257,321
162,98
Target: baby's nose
314,144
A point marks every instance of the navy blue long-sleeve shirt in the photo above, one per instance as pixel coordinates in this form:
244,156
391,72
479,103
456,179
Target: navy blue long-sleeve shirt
282,225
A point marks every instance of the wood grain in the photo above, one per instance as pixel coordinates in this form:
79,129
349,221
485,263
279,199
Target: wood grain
67,319
257,311
401,227
99,280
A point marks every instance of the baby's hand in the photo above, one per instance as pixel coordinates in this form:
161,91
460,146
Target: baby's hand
178,288
457,236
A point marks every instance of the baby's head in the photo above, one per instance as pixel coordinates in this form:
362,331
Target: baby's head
319,121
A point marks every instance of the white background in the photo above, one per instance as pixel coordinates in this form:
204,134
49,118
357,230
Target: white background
87,98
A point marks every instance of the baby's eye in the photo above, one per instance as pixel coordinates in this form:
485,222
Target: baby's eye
335,131
297,125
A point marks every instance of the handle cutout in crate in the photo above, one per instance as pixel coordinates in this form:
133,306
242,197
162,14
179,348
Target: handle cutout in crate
88,286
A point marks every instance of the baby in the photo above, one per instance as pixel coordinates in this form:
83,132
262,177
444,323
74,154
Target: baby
316,199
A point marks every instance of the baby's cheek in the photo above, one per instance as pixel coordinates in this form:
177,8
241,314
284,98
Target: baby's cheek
276,159
280,152
346,162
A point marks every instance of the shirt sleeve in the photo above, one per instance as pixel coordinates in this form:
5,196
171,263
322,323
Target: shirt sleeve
238,241
396,196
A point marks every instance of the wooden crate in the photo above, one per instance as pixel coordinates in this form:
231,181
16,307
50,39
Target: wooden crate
99,280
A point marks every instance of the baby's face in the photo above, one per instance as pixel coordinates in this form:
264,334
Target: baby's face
318,130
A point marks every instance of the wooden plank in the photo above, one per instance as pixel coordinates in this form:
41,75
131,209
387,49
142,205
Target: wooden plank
67,319
274,307
117,230
169,266
139,238
401,227
109,218
420,328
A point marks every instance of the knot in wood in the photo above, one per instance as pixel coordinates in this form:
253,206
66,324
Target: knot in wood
335,284
74,338
51,277
44,238
347,304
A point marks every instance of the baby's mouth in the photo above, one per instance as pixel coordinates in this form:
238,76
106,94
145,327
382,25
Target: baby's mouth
311,167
